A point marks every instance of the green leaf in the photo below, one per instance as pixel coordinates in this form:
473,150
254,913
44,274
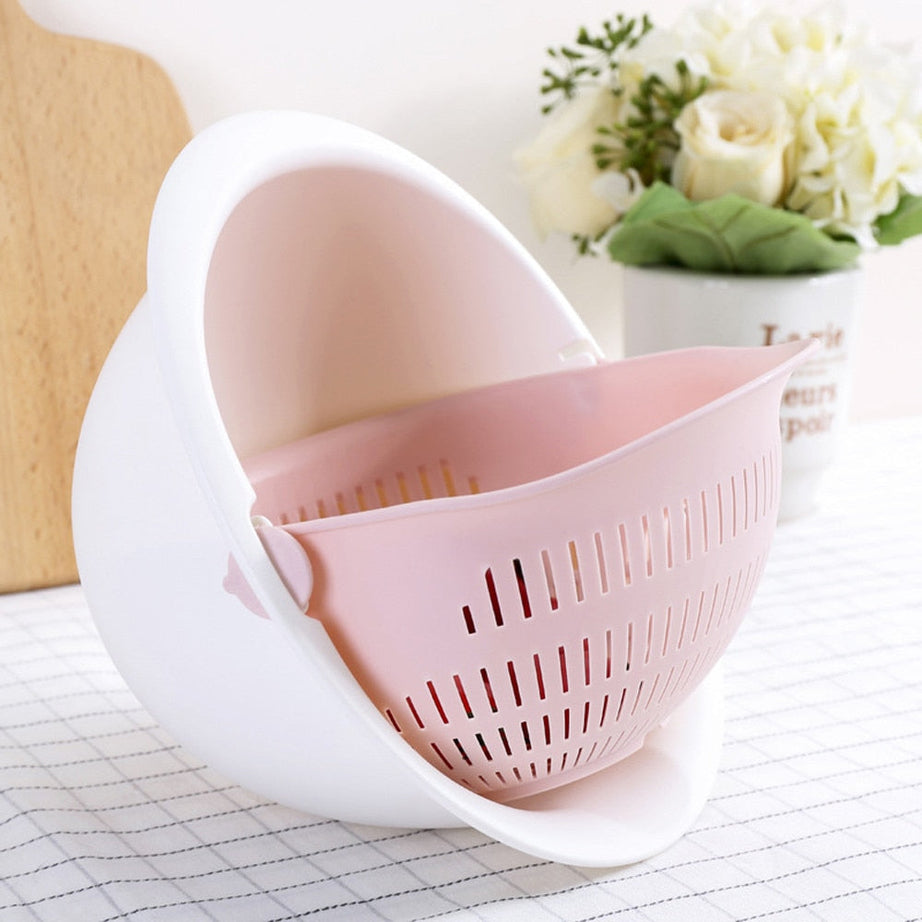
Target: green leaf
727,234
659,199
904,221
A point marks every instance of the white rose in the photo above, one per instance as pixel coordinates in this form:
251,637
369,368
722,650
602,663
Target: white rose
733,142
858,140
558,168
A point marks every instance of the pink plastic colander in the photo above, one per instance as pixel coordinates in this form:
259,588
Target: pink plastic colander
529,577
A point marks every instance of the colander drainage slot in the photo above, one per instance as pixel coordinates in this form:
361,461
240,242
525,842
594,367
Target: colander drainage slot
465,704
514,683
463,754
600,559
494,599
504,740
483,746
441,755
574,565
488,688
415,713
733,504
621,704
539,676
523,588
648,644
704,521
437,702
549,580
625,555
686,521
526,736
667,529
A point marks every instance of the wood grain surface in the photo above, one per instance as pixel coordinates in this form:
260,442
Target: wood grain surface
87,132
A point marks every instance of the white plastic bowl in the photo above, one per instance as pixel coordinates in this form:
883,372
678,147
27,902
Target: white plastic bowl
302,274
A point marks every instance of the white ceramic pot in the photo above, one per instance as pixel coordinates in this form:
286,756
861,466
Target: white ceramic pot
675,308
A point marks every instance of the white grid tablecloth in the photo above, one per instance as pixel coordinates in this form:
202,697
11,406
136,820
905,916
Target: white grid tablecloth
816,812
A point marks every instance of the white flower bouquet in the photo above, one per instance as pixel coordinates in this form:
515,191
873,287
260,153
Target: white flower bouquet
744,140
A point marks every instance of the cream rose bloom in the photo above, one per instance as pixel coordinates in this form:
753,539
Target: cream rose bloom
733,142
559,170
859,141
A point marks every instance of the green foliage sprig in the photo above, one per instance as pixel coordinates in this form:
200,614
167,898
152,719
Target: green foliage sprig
592,56
647,140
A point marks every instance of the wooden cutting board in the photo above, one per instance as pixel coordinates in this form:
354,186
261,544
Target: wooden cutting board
87,132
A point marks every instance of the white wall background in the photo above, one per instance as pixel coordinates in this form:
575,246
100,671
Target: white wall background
456,82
